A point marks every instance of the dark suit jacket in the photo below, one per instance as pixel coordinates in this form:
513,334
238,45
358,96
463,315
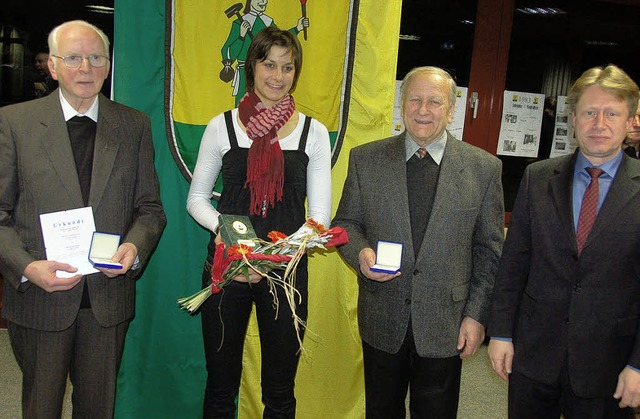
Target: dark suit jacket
453,273
38,175
556,304
631,152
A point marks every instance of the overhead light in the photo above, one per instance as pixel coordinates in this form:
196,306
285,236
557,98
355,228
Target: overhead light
467,22
409,37
447,46
601,43
541,11
100,9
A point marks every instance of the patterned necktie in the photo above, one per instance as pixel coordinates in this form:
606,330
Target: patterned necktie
589,209
422,152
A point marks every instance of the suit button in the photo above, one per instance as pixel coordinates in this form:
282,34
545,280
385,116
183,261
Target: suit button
577,287
407,301
416,272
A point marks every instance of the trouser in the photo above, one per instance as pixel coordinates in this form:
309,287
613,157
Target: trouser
86,352
225,317
434,383
530,399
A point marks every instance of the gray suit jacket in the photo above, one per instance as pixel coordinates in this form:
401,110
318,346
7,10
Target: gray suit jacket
453,274
38,175
558,306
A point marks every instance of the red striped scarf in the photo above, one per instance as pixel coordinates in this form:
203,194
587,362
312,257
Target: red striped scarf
265,163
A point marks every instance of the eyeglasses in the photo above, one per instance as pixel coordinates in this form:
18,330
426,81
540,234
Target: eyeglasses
75,61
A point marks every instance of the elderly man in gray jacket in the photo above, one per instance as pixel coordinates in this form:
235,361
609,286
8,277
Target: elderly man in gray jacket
442,199
74,149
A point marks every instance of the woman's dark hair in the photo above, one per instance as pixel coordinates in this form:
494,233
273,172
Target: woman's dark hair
260,47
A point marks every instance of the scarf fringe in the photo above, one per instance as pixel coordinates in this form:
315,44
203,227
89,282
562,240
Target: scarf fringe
265,162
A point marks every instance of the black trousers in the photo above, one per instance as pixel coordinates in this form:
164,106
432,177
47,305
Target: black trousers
530,399
225,317
434,383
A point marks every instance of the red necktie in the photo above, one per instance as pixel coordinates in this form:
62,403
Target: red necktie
589,209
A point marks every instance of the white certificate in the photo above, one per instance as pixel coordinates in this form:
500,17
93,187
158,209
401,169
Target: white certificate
67,238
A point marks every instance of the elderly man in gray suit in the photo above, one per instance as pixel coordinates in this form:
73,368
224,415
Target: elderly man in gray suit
442,199
74,149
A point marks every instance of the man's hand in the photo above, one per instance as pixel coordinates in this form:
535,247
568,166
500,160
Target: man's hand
43,274
628,388
471,336
367,258
126,256
501,355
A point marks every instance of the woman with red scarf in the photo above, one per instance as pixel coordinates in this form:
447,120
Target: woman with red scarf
271,158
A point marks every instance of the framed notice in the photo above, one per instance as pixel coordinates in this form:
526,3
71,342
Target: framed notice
563,140
521,124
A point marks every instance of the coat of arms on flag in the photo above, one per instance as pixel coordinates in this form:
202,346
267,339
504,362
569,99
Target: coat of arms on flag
207,46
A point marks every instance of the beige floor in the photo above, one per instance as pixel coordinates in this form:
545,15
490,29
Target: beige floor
11,383
483,394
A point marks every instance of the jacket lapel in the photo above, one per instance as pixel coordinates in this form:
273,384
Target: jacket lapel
398,205
625,187
448,188
54,136
105,151
561,187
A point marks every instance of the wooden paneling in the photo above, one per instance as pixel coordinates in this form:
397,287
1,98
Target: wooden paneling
488,71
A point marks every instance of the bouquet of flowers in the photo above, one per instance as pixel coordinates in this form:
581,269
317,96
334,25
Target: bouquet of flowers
281,253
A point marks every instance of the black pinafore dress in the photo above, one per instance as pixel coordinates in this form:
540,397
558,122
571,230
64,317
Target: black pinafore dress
286,216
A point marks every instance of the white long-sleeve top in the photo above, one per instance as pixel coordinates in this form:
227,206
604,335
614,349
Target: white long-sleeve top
214,145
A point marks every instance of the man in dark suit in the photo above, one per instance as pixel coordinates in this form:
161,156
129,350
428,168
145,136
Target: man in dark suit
566,308
444,203
51,160
45,84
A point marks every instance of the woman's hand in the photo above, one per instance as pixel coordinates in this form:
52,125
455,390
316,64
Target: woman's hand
254,276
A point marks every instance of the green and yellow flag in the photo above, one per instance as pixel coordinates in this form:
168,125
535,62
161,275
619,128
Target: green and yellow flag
172,60
208,53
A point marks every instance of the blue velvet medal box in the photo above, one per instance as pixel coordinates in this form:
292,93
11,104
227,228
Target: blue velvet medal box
388,257
103,247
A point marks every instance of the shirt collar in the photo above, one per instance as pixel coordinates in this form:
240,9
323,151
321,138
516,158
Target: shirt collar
610,168
435,149
69,112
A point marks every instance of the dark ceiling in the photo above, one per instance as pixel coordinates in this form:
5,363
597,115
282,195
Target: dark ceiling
34,19
589,32
39,16
584,21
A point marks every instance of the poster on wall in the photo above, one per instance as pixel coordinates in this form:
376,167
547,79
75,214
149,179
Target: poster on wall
397,126
456,127
521,124
563,140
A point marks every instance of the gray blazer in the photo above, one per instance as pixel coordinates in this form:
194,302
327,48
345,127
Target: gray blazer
38,175
453,274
